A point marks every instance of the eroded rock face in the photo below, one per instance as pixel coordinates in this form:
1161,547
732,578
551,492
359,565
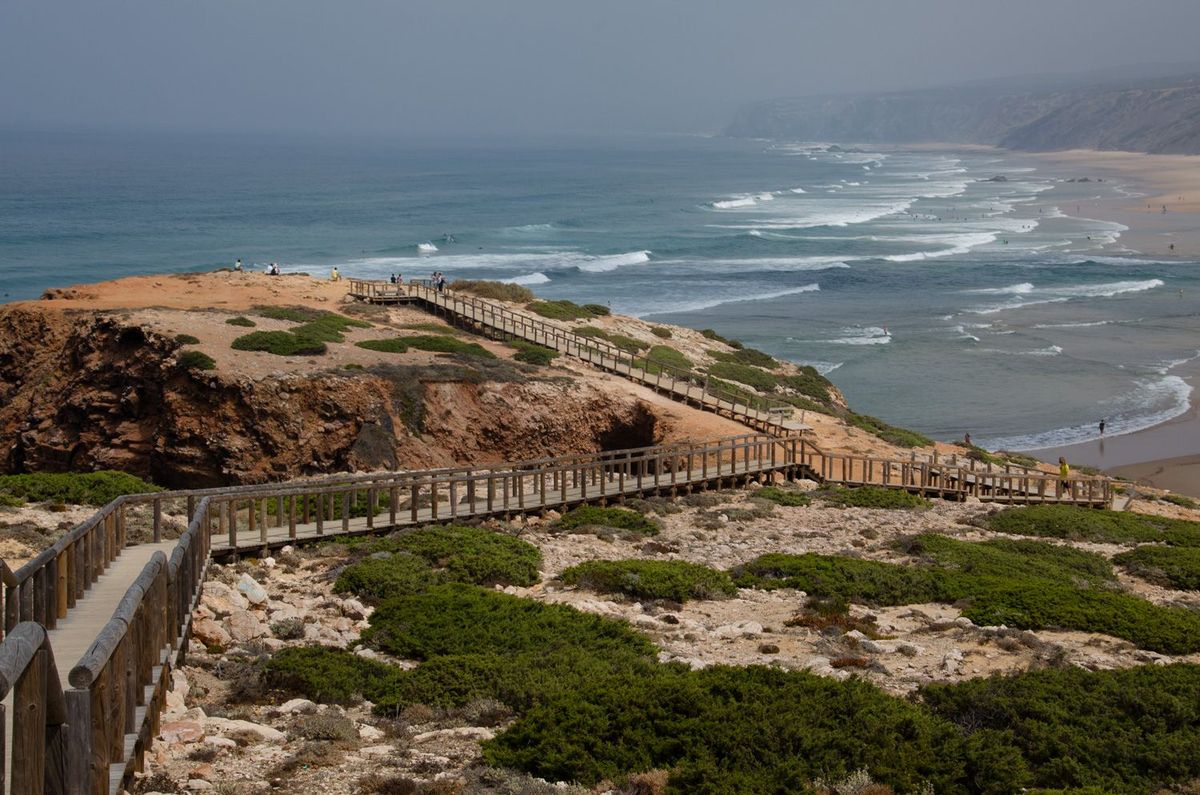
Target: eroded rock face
90,390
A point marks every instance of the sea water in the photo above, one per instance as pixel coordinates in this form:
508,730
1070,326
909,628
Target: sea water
934,295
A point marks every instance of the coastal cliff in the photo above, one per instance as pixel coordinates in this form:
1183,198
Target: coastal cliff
1155,116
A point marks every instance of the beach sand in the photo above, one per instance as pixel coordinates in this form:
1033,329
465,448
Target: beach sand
1166,455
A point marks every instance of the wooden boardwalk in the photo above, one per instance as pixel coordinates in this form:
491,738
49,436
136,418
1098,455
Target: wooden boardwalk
92,626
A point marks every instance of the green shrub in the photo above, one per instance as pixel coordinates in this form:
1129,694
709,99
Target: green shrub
663,355
393,345
10,501
750,356
782,496
499,291
473,554
559,310
531,353
661,332
901,437
74,488
873,497
328,327
197,360
187,339
280,343
1135,730
731,730
627,344
1084,524
330,676
708,333
1180,500
1174,567
676,580
376,579
241,321
443,344
599,310
295,314
811,383
463,619
1028,585
745,374
621,519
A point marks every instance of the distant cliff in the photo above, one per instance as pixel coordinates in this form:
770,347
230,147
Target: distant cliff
1160,116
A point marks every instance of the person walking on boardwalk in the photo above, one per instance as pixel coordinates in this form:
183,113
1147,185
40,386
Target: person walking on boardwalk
1064,472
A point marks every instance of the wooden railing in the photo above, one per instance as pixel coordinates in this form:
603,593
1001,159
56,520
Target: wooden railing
761,412
39,713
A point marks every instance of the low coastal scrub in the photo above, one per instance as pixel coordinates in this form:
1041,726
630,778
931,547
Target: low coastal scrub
1173,567
379,578
280,343
241,321
444,344
1028,585
661,356
393,345
750,356
873,497
676,580
1084,524
745,374
1180,500
662,332
1126,731
598,310
625,343
783,496
187,339
532,353
197,360
709,334
901,437
73,488
740,367
592,703
631,522
497,291
457,553
561,310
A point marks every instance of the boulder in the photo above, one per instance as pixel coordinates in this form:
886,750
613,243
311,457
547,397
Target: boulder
210,633
221,599
181,731
243,627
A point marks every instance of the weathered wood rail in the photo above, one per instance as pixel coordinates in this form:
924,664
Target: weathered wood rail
759,412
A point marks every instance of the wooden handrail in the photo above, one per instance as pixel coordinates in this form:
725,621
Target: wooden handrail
39,713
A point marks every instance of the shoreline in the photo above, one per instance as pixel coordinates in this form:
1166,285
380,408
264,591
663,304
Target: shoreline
1165,455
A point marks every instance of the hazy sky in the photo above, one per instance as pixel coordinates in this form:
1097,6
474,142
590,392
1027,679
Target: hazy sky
482,66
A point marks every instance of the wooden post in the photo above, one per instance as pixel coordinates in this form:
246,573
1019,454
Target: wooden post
157,520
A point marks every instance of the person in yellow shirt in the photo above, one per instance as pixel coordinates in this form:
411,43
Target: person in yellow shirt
334,276
1064,472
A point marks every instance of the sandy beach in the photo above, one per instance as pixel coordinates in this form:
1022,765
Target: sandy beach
1166,455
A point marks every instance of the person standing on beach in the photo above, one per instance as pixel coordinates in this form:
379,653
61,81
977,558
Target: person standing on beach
237,266
967,440
1102,423
334,276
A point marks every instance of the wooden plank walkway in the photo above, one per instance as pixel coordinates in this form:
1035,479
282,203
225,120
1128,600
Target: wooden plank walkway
74,634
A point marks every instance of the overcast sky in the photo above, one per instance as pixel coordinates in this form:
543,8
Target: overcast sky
498,66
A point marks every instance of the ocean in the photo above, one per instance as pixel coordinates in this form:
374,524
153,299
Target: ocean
949,292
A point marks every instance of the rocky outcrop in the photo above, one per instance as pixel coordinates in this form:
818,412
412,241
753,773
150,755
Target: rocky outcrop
85,390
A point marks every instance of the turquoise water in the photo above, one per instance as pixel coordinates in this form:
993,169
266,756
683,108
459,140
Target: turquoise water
933,297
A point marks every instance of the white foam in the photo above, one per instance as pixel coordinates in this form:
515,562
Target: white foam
528,229
1055,295
529,278
426,248
964,244
865,335
744,200
710,303
1024,288
799,190
613,261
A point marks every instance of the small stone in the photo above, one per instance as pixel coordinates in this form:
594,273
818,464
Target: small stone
181,731
252,590
370,734
768,648
199,785
352,608
268,563
220,742
377,750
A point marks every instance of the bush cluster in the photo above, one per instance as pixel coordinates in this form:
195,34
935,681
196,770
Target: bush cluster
280,343
307,339
873,497
197,360
444,344
662,332
498,291
709,334
393,345
661,356
187,339
532,353
630,521
241,321
901,437
74,488
425,557
561,310
625,343
1023,584
1084,524
676,580
1174,567
750,356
